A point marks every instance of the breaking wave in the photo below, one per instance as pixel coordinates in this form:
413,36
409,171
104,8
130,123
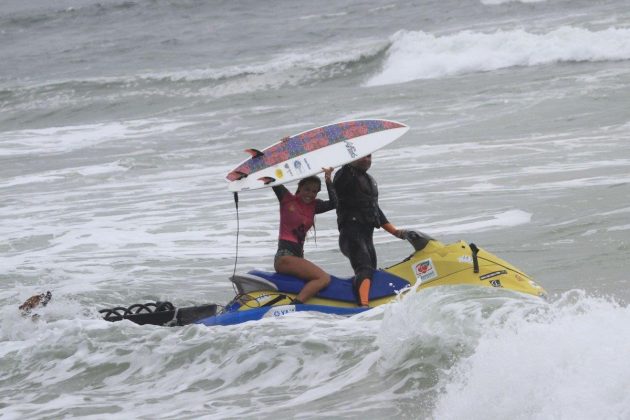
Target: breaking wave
419,55
290,68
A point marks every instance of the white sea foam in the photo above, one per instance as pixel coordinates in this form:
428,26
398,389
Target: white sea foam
502,354
496,2
323,16
560,362
509,218
70,138
57,175
417,55
563,167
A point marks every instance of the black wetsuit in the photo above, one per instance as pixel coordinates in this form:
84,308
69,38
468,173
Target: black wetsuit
358,214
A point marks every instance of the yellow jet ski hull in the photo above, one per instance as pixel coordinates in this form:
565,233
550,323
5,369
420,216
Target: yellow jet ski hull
432,264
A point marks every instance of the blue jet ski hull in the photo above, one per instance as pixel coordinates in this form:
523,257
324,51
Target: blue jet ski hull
238,317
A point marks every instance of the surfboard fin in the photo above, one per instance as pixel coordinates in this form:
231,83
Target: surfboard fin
255,153
239,175
267,179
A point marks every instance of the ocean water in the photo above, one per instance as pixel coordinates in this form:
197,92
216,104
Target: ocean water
119,120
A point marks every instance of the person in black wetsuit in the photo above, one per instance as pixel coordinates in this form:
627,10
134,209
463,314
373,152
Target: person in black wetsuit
358,213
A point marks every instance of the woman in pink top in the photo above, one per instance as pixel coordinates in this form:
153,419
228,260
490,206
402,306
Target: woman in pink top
297,217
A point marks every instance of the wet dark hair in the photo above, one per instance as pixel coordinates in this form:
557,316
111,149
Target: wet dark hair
310,180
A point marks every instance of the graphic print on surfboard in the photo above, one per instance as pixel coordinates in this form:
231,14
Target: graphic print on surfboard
305,154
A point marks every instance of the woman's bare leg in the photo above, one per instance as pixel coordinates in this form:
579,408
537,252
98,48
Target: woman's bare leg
316,278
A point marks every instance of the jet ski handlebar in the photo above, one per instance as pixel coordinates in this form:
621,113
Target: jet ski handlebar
418,239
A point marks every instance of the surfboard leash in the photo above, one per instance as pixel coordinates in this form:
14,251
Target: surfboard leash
237,232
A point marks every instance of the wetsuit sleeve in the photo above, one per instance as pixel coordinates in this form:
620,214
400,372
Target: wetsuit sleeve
382,219
322,206
280,191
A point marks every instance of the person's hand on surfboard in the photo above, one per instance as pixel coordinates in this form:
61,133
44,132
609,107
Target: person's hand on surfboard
327,173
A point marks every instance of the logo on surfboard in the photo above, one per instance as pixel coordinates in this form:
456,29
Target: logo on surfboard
352,151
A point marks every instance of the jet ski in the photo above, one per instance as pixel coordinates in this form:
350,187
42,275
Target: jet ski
262,294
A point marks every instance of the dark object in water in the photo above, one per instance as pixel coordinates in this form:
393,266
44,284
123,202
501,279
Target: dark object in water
159,313
34,302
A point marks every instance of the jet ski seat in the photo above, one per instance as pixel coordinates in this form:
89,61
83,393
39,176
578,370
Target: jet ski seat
383,284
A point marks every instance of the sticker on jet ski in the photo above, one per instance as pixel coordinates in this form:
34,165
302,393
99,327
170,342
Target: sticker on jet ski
279,311
465,259
424,270
496,283
493,274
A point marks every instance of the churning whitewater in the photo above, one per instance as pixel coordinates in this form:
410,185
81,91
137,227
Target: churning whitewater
120,120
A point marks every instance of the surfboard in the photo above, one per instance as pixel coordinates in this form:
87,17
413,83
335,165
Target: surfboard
306,153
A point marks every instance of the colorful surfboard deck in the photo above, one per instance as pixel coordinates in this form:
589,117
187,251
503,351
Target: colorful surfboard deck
306,153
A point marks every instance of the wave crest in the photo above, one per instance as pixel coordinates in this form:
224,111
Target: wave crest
419,55
290,68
